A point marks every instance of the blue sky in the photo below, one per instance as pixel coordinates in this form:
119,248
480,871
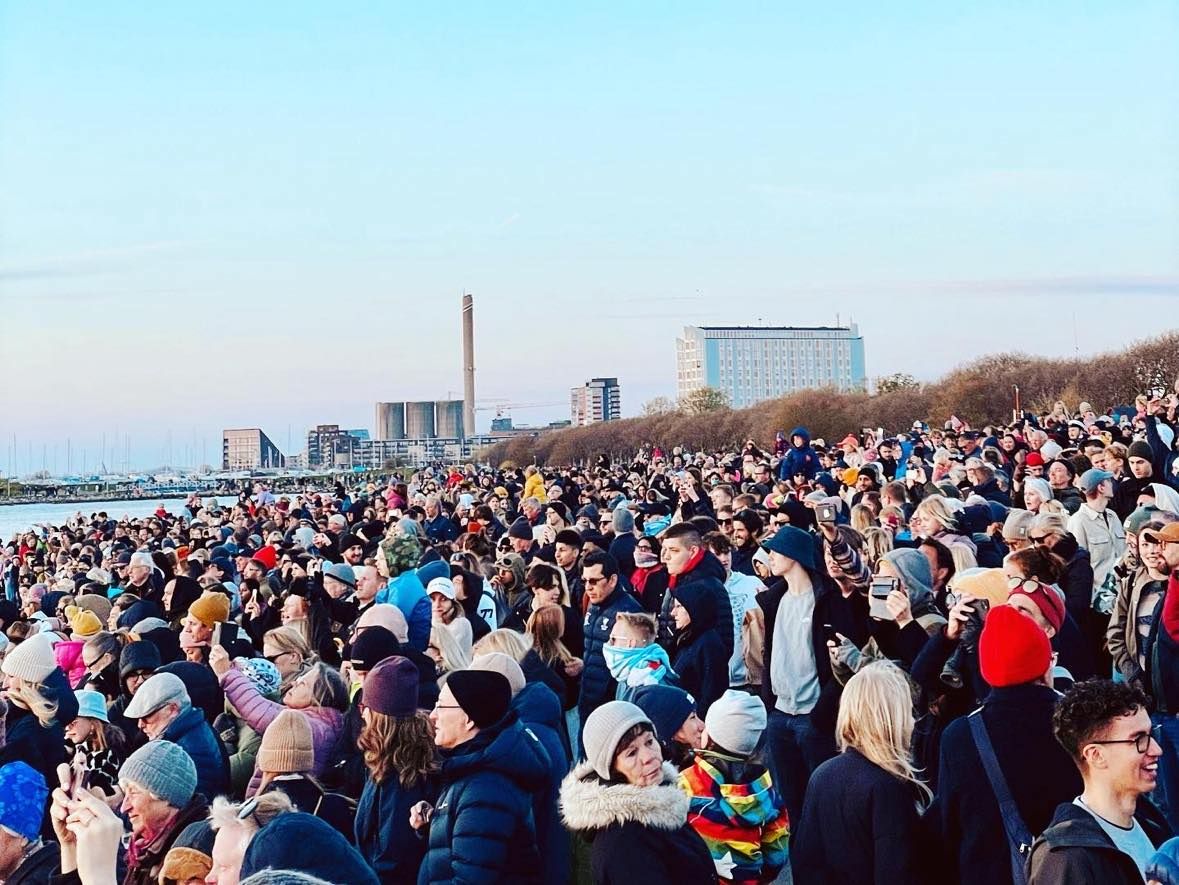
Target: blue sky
225,214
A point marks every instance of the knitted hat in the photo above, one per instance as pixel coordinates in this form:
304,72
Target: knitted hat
287,745
85,623
1140,448
1047,600
372,646
498,662
483,695
23,795
164,770
267,555
262,673
32,660
100,605
135,656
981,583
1034,459
160,689
391,687
793,543
299,842
91,704
521,530
604,729
623,521
191,855
386,615
342,572
211,608
1012,649
666,706
1017,524
736,721
1050,450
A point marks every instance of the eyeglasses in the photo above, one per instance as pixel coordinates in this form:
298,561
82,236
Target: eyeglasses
725,521
1141,742
447,706
1027,585
619,642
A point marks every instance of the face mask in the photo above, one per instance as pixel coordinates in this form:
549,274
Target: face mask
645,558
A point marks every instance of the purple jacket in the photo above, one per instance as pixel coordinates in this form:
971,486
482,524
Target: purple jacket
258,712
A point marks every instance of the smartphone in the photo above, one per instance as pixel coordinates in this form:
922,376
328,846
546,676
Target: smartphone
225,635
877,594
79,774
538,533
825,513
829,634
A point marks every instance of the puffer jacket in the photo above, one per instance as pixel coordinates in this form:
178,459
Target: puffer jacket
704,569
68,654
540,712
638,834
196,737
740,816
597,685
482,829
799,459
258,712
42,747
382,831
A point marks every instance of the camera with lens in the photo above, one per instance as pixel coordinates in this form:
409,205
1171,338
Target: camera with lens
955,668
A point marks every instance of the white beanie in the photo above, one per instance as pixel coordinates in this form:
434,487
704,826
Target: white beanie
604,729
32,660
1050,450
500,663
736,721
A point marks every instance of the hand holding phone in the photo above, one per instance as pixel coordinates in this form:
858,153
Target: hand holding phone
878,594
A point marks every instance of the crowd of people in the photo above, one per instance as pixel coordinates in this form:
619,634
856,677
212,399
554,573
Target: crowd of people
920,656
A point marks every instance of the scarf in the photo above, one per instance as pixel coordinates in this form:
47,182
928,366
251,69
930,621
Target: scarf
141,844
696,559
648,665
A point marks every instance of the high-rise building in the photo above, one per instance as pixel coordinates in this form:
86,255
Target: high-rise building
755,363
599,399
248,448
390,421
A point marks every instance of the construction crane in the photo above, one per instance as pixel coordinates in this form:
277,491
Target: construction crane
502,405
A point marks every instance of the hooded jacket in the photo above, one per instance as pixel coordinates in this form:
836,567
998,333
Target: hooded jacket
68,654
637,833
482,829
740,816
195,736
704,569
701,660
1074,848
799,459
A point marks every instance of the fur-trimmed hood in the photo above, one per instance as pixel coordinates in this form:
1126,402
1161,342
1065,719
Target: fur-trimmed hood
588,803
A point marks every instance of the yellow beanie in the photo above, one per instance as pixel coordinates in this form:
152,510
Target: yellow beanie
85,623
210,608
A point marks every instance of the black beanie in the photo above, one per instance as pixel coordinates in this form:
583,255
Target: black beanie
1140,448
484,695
372,646
521,530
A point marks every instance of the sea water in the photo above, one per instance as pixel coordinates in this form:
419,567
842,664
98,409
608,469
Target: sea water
21,517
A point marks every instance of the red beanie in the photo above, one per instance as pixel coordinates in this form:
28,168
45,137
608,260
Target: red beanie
1034,459
1048,601
1012,649
267,556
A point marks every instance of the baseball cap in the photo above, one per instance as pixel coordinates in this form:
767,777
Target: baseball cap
1168,534
1092,478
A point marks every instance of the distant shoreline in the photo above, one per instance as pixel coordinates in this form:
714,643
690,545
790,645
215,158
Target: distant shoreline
96,498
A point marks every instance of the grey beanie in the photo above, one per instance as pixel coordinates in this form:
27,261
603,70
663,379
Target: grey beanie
1017,524
604,729
736,721
623,521
164,770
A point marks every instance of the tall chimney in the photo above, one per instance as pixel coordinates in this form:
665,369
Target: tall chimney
468,366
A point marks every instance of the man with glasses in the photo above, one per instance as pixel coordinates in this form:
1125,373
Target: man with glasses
1161,660
1108,833
607,599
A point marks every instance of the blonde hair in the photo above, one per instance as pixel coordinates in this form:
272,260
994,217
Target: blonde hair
503,640
876,719
862,518
963,558
877,542
31,696
937,509
644,622
224,814
455,656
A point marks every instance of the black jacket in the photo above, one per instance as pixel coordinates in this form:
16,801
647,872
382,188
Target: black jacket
597,686
859,824
1075,848
38,868
482,829
1039,774
710,574
700,658
638,834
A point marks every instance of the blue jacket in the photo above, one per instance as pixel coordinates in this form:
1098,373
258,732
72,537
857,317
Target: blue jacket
408,592
440,528
800,459
539,709
383,834
482,829
597,685
194,735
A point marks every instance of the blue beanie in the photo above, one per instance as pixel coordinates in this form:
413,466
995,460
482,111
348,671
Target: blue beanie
1163,865
302,843
793,543
23,795
666,706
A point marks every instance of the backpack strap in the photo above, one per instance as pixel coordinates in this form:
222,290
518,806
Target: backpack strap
1019,838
